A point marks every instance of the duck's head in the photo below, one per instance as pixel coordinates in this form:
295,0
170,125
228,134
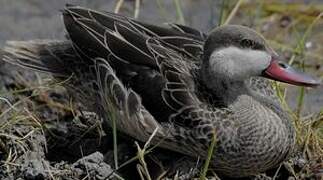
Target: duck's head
234,53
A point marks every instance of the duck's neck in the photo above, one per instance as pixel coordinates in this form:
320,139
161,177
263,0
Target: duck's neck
229,92
225,90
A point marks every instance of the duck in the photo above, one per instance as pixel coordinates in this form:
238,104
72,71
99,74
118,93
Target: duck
174,86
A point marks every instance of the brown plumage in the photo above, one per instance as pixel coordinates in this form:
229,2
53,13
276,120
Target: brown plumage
150,77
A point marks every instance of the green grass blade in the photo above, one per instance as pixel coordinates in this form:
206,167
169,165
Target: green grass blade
209,157
179,12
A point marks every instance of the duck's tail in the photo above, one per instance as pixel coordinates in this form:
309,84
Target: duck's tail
51,56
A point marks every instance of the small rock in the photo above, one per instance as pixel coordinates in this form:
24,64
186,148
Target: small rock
93,166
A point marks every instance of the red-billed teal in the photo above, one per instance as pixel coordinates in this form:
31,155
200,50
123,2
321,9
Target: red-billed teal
185,83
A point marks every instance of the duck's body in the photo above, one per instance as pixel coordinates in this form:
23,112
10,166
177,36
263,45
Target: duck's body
152,77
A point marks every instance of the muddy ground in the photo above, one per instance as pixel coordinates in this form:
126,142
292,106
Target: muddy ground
44,134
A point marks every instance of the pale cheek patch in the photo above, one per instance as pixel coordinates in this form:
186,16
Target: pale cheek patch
260,58
220,63
241,60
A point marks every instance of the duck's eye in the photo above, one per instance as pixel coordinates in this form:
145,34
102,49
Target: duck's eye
247,43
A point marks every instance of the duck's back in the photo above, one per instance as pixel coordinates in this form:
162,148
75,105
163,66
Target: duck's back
124,43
